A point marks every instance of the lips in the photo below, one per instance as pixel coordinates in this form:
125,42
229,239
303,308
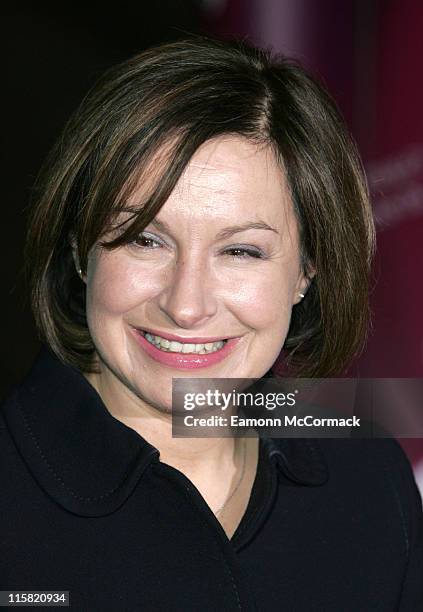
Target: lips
181,339
183,347
181,360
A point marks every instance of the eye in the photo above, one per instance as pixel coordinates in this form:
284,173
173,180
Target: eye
147,241
241,252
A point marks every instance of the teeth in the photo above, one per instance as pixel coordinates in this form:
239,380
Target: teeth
179,347
175,347
188,348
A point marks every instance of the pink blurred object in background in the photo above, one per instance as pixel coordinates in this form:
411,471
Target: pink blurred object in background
369,56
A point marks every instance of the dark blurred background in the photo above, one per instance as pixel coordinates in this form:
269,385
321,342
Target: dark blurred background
368,53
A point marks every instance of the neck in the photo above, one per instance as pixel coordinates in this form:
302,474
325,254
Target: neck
213,465
198,458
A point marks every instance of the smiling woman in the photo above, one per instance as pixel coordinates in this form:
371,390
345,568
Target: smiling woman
129,147
186,289
204,214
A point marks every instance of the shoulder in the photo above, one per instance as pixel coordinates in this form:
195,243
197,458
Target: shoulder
10,460
9,400
7,403
379,470
370,457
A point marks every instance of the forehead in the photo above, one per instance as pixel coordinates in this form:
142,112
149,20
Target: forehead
227,177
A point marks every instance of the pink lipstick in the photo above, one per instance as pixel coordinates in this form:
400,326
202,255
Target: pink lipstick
185,361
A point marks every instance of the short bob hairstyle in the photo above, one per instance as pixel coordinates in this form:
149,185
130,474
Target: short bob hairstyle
152,112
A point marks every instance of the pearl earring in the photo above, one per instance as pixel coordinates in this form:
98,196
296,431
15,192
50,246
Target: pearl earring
301,295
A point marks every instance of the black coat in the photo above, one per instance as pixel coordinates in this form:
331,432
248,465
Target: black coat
86,506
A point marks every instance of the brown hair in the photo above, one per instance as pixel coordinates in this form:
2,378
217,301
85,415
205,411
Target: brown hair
174,97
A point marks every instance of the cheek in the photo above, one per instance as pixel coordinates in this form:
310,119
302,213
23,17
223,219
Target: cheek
116,287
264,301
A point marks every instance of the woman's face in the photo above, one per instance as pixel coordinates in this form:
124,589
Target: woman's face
220,262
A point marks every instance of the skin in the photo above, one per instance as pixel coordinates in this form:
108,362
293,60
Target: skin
188,282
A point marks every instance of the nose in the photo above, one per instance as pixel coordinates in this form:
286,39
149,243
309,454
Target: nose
188,299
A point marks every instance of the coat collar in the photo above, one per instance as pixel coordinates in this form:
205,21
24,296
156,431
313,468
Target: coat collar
88,461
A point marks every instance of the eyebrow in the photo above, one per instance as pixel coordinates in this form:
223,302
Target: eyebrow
226,232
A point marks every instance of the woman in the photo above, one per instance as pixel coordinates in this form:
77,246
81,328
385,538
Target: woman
203,214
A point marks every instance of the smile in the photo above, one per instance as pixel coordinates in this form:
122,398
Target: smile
171,346
184,355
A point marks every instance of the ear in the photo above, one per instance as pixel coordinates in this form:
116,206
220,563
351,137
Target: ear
72,242
303,284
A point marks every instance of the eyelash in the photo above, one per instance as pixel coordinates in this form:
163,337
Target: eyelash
135,242
248,253
253,254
